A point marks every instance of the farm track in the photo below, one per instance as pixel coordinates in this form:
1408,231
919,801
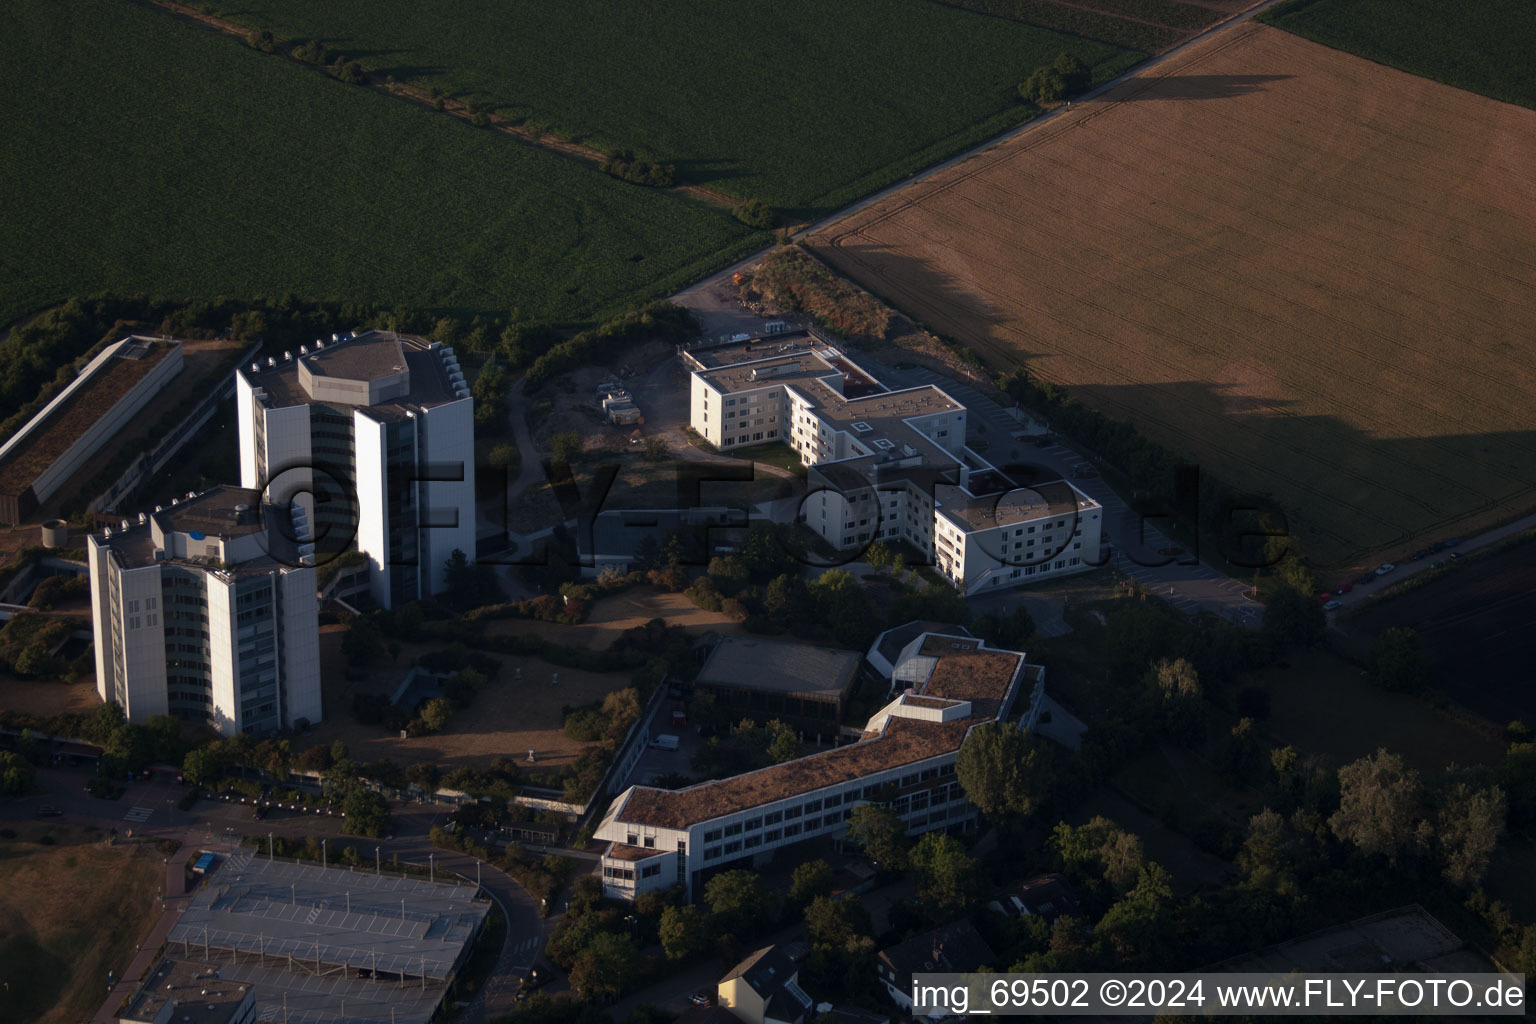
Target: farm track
1251,223
452,108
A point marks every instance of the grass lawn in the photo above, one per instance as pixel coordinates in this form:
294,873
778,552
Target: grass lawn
1480,45
804,104
776,454
147,156
69,913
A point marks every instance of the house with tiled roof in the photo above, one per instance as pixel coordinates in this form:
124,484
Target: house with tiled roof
765,989
956,948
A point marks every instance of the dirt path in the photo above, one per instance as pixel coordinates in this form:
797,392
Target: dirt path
451,108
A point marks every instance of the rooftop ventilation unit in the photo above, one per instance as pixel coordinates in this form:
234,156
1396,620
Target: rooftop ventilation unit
334,337
157,508
862,427
123,525
271,361
287,355
883,444
303,350
143,518
255,367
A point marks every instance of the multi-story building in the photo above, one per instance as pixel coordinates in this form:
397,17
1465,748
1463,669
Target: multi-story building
374,435
906,759
891,465
205,609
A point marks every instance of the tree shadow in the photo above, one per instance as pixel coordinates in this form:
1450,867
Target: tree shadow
709,171
1198,87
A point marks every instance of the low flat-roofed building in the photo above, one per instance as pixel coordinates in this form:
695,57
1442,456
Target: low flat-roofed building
805,686
42,456
186,990
905,759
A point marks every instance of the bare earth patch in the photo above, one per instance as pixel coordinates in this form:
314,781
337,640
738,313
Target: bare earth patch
69,913
1312,273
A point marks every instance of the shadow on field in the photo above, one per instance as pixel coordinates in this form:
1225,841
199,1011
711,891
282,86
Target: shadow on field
707,172
927,292
1201,87
409,72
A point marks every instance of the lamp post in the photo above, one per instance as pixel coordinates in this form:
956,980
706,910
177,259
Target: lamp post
378,862
322,853
431,867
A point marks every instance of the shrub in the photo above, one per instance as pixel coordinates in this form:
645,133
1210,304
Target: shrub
350,71
754,213
623,164
262,40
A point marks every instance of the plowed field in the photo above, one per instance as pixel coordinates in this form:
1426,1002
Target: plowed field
1313,274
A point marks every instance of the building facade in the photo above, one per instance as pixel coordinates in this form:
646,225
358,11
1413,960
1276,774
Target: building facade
906,760
206,610
892,466
374,435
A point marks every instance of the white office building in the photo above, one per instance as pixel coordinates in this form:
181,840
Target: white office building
891,465
205,609
906,759
374,435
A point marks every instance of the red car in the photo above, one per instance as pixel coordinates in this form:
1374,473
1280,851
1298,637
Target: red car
1344,588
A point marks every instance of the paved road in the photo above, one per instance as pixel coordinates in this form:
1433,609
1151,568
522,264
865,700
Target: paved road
1359,594
149,810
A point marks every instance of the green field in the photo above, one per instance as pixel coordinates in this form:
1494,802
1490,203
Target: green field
1152,25
1485,46
805,104
143,155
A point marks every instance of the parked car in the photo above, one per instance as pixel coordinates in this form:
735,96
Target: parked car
1437,564
1418,555
1382,570
1453,542
1333,605
1364,579
1325,597
1344,587
1455,555
703,997
1438,545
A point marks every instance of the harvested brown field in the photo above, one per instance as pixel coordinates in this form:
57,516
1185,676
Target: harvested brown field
1313,274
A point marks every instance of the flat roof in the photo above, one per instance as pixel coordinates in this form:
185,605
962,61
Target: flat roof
1021,505
214,513
803,670
71,418
980,676
879,413
714,356
367,357
374,354
334,916
196,990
